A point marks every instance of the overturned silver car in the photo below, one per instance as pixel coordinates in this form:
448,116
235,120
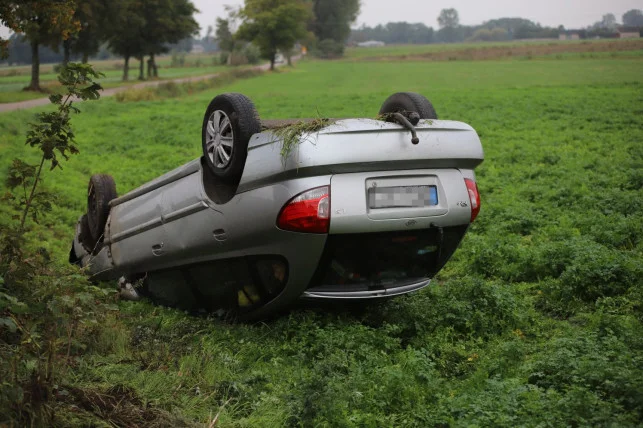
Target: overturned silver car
356,209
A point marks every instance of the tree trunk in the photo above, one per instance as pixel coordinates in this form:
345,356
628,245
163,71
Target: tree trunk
35,68
126,69
289,58
66,52
149,67
272,62
155,69
85,57
141,68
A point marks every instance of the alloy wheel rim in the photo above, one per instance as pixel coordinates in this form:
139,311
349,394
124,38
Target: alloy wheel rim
219,139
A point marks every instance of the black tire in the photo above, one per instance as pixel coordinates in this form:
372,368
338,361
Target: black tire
243,121
409,102
85,237
100,191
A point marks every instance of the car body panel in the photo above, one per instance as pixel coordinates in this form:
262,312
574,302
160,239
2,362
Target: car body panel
351,214
361,145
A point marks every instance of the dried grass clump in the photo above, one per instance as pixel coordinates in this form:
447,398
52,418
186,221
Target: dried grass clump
119,406
291,134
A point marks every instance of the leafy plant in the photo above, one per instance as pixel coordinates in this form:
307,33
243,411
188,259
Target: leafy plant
47,314
53,136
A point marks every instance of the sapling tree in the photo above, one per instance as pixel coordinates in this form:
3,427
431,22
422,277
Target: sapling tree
53,136
48,314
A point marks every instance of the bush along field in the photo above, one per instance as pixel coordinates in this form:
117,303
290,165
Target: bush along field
536,321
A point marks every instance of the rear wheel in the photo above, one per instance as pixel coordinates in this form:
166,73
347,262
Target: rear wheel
100,191
229,122
401,102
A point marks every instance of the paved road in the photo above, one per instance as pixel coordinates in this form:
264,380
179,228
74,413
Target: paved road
109,92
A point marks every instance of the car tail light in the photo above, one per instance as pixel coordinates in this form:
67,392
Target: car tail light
307,212
474,197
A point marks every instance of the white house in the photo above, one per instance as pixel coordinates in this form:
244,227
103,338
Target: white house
370,44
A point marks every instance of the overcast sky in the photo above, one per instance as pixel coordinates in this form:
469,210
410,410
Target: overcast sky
570,13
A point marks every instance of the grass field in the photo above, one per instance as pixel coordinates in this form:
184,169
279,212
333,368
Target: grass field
536,321
14,79
509,50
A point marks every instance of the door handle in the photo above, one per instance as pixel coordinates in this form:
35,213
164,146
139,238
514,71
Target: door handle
220,235
157,249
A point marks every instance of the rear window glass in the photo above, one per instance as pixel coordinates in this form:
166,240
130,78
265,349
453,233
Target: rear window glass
377,260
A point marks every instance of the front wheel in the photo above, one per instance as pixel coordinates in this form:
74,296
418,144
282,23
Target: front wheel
229,122
402,102
100,191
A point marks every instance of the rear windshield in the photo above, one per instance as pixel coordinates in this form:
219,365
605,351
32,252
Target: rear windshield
366,261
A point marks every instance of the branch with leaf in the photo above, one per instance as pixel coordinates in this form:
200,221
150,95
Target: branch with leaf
53,136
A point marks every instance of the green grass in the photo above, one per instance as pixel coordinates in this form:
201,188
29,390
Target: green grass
537,320
14,79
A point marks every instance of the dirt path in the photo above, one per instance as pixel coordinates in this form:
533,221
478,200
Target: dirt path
111,91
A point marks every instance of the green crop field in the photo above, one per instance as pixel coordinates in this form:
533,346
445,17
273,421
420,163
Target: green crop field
536,321
522,49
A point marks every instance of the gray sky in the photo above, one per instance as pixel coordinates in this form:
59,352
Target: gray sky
570,13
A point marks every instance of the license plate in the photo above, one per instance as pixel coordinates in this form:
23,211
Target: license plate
402,197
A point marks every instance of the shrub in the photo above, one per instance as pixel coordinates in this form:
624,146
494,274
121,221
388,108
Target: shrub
48,315
237,58
178,59
252,53
223,58
174,90
329,48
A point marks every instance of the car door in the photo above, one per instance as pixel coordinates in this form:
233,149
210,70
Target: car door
194,229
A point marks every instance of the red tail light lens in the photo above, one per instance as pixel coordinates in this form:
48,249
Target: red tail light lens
307,212
474,197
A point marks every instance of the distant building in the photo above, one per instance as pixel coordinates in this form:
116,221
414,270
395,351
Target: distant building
629,33
569,35
371,44
197,49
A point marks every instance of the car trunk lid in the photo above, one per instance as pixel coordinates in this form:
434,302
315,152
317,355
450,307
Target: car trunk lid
352,145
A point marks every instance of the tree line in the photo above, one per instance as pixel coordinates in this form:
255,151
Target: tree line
274,26
130,28
135,29
450,29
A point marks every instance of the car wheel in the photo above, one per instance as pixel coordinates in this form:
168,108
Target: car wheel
409,102
229,122
100,191
85,236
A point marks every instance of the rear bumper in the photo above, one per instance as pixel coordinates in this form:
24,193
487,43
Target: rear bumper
369,294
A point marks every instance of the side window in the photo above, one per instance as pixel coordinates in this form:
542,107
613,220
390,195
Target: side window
241,283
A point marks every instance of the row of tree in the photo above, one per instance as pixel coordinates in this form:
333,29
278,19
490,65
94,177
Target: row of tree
450,29
139,28
276,25
631,19
131,28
